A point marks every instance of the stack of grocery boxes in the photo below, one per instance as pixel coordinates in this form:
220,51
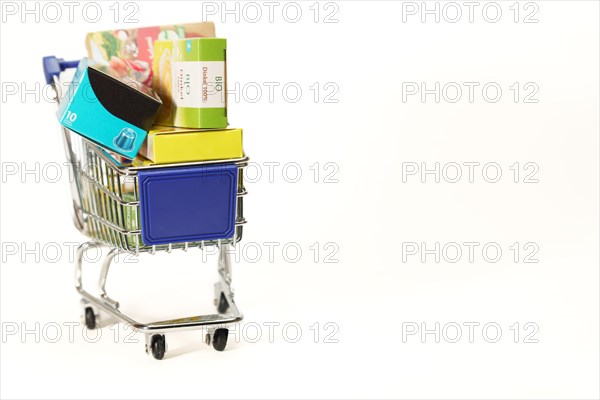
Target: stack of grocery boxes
190,77
153,96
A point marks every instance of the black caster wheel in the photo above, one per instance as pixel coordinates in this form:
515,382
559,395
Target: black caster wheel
90,318
219,340
158,346
223,305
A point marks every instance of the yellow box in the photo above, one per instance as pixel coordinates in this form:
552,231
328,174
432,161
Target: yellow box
165,145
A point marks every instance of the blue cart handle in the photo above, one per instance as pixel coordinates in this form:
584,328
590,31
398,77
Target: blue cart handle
54,66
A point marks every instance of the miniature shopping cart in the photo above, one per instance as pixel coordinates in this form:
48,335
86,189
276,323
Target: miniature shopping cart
111,206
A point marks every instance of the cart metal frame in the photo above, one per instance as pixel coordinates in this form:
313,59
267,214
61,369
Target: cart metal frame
103,210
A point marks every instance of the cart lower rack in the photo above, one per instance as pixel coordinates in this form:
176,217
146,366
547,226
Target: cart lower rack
107,207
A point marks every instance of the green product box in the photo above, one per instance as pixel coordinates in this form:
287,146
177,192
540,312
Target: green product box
190,78
131,219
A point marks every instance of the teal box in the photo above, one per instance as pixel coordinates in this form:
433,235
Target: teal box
112,111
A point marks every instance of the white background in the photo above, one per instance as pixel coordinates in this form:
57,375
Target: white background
370,294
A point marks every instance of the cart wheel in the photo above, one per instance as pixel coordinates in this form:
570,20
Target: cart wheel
219,340
223,304
158,346
90,318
